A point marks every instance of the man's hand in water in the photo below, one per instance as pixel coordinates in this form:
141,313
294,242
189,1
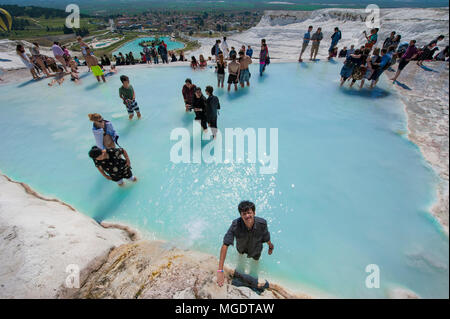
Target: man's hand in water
108,177
220,278
271,248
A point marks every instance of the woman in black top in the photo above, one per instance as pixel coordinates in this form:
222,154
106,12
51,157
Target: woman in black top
199,106
112,165
221,65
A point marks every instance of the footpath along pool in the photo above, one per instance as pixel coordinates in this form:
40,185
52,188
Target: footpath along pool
350,190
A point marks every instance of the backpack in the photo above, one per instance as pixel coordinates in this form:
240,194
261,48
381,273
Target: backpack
213,50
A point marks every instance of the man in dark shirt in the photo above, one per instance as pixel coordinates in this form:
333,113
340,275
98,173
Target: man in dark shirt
410,54
200,107
212,105
250,232
188,94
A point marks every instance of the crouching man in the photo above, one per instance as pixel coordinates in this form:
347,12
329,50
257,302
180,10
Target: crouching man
250,232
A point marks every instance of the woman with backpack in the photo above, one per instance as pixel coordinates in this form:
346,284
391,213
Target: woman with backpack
104,133
264,58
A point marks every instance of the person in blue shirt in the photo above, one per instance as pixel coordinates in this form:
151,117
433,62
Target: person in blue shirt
350,51
249,51
337,35
386,57
306,38
104,133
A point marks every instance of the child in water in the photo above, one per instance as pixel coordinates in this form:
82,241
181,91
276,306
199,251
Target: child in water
126,93
59,76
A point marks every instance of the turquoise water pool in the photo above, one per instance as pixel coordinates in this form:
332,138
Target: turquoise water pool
350,190
134,46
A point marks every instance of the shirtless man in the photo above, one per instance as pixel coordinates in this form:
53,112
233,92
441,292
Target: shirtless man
233,73
244,73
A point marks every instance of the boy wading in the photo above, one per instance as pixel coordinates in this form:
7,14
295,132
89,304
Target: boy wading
250,232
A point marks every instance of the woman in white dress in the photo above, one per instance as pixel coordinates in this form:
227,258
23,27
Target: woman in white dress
225,49
30,66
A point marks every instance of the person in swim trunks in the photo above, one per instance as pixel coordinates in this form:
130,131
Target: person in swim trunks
126,93
244,72
233,73
94,66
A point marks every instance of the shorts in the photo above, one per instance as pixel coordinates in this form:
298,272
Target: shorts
346,71
402,64
212,123
315,48
304,46
132,106
96,70
244,76
220,77
232,78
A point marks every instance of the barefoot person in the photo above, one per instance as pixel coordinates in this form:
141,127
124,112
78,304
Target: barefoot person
244,72
59,54
188,94
306,39
264,59
316,38
38,59
20,50
59,76
212,106
112,165
221,65
199,107
250,233
411,53
94,66
233,73
84,47
103,130
337,35
126,93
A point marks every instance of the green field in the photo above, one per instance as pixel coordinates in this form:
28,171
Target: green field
41,27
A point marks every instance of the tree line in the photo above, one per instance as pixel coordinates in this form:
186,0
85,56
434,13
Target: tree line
35,12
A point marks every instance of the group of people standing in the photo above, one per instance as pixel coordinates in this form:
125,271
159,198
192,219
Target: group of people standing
206,109
369,61
237,64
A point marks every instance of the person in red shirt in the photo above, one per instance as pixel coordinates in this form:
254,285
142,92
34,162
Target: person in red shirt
188,94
